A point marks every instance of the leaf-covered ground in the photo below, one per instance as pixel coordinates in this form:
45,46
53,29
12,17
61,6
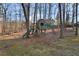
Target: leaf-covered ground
44,45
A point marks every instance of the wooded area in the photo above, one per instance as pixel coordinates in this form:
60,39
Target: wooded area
46,28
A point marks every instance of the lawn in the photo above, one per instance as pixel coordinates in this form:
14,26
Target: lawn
40,47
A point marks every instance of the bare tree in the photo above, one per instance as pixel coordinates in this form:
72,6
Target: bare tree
67,14
26,14
61,23
15,21
5,8
10,21
73,14
76,33
35,13
63,14
40,10
44,11
49,15
1,15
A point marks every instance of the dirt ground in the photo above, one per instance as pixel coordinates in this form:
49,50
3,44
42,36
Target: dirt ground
54,32
12,36
46,44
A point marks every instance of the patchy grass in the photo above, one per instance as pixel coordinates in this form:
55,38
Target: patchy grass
40,47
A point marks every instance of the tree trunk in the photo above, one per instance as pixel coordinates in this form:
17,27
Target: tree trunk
76,33
73,16
40,10
26,12
45,11
49,15
63,15
4,22
61,24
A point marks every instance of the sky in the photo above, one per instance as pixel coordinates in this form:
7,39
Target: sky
15,10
